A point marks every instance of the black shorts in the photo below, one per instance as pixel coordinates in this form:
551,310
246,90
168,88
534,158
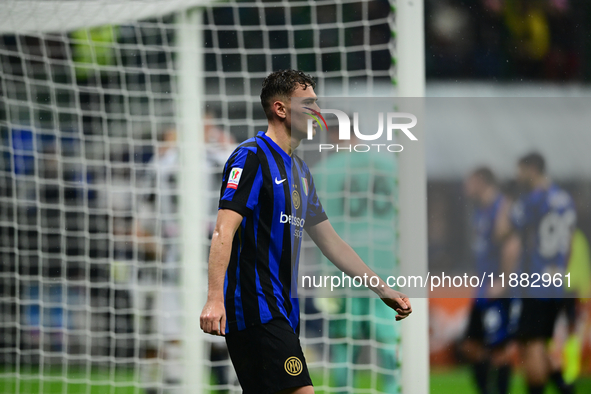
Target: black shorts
268,358
489,321
534,318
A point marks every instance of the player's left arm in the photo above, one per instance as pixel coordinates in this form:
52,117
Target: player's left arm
344,258
503,228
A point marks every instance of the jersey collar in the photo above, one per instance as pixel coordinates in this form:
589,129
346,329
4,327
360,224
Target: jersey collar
263,135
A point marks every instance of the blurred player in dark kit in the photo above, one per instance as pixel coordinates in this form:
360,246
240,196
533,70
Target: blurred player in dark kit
545,218
487,333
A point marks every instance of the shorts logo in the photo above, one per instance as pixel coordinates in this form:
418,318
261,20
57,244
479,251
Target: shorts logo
293,366
295,197
234,178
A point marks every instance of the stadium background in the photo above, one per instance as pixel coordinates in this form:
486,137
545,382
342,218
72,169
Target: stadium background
82,115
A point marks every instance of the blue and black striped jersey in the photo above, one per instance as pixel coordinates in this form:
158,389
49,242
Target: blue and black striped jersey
276,196
487,251
546,220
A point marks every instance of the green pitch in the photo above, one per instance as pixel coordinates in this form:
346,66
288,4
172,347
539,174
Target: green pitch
459,380
76,381
453,381
121,381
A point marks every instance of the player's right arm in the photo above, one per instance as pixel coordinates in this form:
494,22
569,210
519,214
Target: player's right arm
213,316
239,195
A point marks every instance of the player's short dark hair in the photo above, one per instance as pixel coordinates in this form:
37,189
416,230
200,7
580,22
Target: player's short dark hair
534,160
486,175
283,83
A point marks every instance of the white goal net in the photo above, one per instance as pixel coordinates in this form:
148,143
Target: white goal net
91,255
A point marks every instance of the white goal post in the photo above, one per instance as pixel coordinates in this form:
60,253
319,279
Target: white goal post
413,196
190,104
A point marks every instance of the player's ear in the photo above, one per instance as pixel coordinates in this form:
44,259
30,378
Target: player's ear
280,108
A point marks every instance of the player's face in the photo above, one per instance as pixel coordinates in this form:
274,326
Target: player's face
472,187
524,176
298,120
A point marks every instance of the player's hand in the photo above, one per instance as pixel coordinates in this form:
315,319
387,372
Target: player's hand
213,317
400,303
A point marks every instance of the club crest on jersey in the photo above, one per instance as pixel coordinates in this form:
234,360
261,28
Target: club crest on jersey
295,197
305,185
234,178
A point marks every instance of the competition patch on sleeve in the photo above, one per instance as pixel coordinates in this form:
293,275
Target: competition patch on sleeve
234,178
305,185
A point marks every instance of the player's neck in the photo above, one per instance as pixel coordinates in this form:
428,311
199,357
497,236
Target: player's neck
489,196
541,183
282,137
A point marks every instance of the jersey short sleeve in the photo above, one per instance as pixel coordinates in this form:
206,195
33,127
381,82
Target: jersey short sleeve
241,182
314,212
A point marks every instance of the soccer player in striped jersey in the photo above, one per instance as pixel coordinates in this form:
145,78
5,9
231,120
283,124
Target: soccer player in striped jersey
487,333
545,219
268,199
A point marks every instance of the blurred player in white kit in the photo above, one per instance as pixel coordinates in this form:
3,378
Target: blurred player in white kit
157,296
